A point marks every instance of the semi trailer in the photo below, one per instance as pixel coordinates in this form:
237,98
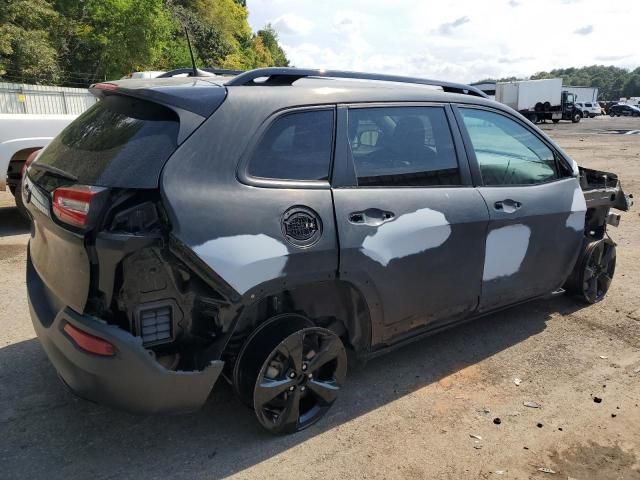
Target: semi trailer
539,100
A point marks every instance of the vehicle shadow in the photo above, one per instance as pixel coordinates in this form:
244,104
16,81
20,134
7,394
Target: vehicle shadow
12,222
45,429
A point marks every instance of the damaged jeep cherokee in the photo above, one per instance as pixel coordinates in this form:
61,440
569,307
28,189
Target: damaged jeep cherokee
258,227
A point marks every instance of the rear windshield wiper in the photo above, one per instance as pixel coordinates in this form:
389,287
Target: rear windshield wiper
54,171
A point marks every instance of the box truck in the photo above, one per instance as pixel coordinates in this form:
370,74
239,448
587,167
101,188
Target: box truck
539,100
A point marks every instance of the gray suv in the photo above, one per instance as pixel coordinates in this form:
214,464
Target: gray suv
257,227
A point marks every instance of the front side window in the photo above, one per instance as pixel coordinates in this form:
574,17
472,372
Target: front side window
297,146
508,153
402,146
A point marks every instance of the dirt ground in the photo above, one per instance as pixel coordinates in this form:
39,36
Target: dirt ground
408,415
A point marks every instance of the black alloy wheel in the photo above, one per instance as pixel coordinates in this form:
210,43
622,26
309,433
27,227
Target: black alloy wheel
299,380
599,264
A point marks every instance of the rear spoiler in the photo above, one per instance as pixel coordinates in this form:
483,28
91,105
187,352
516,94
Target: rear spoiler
193,99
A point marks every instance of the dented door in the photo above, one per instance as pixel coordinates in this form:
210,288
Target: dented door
536,206
412,244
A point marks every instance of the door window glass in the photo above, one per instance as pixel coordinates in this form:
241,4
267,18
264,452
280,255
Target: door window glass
508,153
402,146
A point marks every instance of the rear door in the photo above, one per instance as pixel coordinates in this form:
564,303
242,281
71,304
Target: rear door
536,206
411,226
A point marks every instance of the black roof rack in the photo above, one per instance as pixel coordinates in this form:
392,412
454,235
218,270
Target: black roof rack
286,76
189,72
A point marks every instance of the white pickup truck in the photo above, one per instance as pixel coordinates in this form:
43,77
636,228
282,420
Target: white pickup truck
20,135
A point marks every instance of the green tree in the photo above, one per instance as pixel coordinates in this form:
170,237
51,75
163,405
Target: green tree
27,50
631,86
207,42
80,42
609,79
269,38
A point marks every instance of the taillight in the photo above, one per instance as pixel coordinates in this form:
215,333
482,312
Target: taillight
32,156
72,205
90,343
105,86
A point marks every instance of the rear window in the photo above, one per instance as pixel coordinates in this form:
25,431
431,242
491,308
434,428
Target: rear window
119,142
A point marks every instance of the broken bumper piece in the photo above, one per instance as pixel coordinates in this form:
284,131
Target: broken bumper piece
130,379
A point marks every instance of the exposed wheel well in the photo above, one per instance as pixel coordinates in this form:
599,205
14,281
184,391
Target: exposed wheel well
335,305
14,173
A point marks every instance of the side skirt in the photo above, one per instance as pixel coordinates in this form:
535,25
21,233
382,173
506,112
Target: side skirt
424,332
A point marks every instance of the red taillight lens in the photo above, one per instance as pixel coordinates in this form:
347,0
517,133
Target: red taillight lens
90,343
32,156
71,204
105,86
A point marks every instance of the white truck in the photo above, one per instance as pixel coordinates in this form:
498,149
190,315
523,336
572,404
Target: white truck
20,135
539,100
584,94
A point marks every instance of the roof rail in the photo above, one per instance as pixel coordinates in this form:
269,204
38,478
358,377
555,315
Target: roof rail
204,72
286,76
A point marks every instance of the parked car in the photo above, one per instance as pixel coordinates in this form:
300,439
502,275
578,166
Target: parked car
624,110
589,109
260,228
21,135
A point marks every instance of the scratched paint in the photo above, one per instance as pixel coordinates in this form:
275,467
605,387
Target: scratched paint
409,234
575,220
505,251
245,261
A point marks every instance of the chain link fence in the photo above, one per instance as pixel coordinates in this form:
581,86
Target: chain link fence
40,99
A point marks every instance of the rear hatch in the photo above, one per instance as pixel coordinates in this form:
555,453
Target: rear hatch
119,144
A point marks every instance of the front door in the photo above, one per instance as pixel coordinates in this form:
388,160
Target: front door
536,206
411,226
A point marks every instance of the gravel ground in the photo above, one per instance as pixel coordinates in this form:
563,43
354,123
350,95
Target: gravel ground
410,414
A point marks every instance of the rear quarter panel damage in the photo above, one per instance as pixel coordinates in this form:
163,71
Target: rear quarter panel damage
245,261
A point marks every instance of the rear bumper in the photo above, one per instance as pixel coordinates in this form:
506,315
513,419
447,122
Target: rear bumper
131,380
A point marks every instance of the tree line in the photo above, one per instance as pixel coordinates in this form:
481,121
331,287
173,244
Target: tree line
613,82
76,43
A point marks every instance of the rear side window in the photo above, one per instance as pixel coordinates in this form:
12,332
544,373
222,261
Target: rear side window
402,146
119,142
297,146
508,153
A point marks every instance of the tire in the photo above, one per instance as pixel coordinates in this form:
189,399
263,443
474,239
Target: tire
555,120
576,117
290,373
592,276
17,194
593,115
611,114
533,118
585,115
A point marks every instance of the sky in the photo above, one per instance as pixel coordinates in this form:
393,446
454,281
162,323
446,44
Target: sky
459,40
